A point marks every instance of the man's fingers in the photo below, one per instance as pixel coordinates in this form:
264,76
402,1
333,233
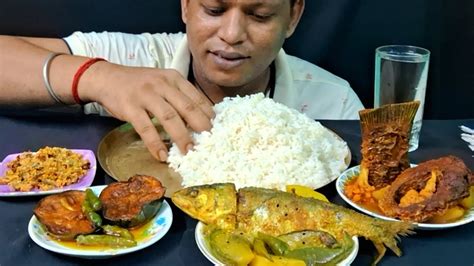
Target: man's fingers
148,133
171,121
189,110
197,97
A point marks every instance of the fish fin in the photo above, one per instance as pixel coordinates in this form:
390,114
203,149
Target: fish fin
381,249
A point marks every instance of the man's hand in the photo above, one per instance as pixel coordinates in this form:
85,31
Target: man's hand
137,94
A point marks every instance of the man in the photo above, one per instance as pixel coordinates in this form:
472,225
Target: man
231,47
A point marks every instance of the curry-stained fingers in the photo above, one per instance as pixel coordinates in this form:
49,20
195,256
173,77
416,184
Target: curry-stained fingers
149,134
172,122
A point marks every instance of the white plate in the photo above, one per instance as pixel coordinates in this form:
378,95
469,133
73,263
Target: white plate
353,171
83,182
159,226
205,250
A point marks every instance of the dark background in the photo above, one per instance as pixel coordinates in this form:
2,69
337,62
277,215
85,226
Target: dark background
338,35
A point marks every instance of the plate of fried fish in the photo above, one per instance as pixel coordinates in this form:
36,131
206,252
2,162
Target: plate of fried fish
102,221
435,194
258,223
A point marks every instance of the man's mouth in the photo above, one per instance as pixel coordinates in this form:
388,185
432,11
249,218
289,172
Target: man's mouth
228,60
229,55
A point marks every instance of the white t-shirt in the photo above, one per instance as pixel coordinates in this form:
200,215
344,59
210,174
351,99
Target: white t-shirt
298,83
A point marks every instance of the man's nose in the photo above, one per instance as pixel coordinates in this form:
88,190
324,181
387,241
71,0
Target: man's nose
233,28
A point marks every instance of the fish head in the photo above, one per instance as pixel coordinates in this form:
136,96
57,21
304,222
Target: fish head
214,204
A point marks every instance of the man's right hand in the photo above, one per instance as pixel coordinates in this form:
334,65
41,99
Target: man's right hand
136,94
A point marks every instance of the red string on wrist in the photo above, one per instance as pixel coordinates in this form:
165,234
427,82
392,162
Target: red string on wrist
78,75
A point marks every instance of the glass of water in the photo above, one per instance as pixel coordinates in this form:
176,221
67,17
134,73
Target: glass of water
401,72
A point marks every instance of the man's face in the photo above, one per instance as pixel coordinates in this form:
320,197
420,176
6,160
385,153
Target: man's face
234,41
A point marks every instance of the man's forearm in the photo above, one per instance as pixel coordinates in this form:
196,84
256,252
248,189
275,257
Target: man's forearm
21,68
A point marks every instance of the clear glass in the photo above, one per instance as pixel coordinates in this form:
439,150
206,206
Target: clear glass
401,72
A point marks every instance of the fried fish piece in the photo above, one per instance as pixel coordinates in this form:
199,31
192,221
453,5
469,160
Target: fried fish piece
428,189
132,203
385,135
257,210
62,215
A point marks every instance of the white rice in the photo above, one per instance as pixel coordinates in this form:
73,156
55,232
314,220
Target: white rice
256,141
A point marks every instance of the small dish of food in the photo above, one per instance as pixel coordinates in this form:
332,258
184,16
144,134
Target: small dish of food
47,171
102,221
442,216
205,248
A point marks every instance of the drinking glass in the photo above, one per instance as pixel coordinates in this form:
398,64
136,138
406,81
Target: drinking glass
401,72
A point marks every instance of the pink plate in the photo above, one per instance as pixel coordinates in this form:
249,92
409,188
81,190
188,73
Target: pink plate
85,181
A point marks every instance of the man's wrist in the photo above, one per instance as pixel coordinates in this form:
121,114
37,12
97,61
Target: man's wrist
93,81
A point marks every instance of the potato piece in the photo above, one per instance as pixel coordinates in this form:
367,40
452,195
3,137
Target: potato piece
469,201
450,215
307,192
231,249
277,261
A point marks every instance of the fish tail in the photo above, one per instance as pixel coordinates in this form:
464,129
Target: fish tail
401,113
391,232
385,234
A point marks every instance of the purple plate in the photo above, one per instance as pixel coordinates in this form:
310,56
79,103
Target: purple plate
85,181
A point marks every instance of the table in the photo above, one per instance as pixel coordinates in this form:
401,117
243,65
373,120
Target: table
19,133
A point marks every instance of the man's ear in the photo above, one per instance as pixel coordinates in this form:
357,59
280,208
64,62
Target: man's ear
296,12
184,10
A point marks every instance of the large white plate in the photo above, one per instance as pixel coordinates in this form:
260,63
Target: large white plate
354,171
159,226
83,182
205,250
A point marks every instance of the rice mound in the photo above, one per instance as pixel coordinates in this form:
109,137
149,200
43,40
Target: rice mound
256,141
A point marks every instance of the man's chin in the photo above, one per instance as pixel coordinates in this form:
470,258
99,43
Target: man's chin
228,82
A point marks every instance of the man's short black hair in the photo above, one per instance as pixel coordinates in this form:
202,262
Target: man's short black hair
293,2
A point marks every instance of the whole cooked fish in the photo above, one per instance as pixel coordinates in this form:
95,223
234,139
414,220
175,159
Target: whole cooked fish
272,212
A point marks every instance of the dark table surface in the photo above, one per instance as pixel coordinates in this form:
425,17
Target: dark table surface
19,133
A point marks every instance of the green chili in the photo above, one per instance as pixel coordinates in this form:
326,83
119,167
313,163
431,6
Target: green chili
105,240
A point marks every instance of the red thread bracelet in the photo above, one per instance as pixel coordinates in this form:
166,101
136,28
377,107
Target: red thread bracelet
78,75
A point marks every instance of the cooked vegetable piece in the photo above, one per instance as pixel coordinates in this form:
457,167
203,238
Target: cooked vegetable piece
230,248
322,255
89,212
309,238
314,255
62,215
260,249
277,246
468,202
117,231
93,200
451,214
306,192
105,240
132,203
276,261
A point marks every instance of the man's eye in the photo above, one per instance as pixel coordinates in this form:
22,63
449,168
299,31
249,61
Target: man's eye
261,17
214,11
